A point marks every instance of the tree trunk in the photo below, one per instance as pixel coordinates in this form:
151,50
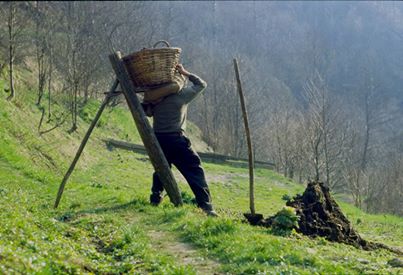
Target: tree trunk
50,80
11,75
11,49
41,120
316,160
41,76
2,66
40,55
86,87
74,108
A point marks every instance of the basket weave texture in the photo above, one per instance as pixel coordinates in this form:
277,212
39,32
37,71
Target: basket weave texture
151,67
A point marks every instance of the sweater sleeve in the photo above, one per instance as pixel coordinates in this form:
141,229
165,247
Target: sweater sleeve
190,93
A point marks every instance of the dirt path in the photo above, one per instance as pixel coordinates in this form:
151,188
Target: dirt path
183,252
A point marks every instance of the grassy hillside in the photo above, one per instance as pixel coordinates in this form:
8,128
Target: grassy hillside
105,224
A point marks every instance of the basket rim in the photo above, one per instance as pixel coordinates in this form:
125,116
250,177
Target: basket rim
152,51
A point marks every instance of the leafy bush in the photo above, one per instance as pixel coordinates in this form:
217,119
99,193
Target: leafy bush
284,221
286,197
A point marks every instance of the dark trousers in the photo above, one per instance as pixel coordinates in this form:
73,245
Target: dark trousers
178,151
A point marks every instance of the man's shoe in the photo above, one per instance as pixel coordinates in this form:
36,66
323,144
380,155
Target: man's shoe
210,213
155,199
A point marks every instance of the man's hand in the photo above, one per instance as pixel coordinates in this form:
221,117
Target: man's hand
182,70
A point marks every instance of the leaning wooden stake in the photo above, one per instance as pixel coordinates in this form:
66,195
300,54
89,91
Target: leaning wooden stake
84,142
248,138
146,132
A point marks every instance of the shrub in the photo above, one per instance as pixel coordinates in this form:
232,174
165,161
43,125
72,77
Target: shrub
286,197
284,221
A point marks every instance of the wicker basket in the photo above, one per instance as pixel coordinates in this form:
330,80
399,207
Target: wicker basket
149,68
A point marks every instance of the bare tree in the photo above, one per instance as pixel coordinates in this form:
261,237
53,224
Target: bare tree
76,48
15,17
44,15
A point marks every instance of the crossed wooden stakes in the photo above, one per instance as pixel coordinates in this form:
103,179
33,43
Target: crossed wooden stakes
146,132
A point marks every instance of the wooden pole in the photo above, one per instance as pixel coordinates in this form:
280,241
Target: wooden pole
248,138
145,130
84,142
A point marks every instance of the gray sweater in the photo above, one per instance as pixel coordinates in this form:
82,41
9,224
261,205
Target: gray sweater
170,114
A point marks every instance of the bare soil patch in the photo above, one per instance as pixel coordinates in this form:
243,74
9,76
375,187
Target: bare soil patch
183,252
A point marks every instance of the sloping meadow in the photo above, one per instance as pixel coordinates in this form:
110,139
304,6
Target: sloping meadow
104,221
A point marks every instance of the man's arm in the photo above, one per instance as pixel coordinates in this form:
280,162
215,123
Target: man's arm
190,93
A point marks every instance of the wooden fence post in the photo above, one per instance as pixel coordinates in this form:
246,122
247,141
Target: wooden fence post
145,130
248,139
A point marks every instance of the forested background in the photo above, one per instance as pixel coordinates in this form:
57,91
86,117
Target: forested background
323,80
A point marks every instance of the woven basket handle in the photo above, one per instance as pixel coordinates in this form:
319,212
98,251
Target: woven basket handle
162,41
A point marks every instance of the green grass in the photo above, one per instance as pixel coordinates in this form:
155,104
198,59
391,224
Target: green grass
104,221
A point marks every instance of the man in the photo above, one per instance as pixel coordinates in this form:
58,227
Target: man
169,122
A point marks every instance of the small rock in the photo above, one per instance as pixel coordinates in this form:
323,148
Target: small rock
311,250
363,261
396,262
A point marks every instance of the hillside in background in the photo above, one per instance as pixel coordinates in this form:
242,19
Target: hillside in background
322,80
105,224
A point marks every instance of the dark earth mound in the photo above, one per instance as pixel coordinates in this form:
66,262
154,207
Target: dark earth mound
320,216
